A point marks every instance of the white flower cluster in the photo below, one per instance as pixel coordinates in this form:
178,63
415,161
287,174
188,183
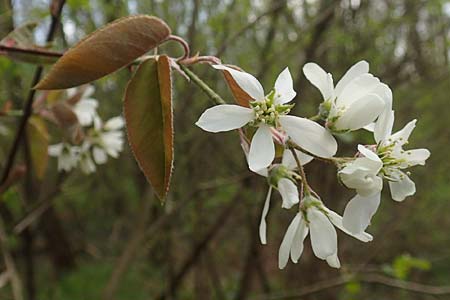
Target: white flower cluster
100,139
358,101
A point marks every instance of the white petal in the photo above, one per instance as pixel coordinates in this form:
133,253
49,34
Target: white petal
89,91
357,88
55,150
402,135
246,81
297,242
360,113
115,123
284,87
224,117
361,175
263,224
356,70
320,79
368,153
383,126
100,156
288,159
262,149
286,244
359,212
289,193
403,188
337,221
309,135
413,157
333,261
323,234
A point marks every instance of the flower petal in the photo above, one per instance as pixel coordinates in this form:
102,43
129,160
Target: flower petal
357,88
360,113
286,244
337,221
323,234
284,90
115,123
413,157
309,135
359,212
320,79
333,261
403,188
356,70
368,153
289,193
402,135
246,81
55,150
262,149
383,126
288,159
99,155
263,224
297,242
224,117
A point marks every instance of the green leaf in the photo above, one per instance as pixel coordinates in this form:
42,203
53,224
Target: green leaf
106,50
38,138
148,115
20,45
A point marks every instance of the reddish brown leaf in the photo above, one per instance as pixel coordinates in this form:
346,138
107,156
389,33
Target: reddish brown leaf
105,51
148,115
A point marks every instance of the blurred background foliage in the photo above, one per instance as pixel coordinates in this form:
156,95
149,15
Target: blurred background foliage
105,235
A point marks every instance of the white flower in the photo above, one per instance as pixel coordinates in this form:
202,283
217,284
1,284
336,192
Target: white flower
86,107
362,173
68,155
87,165
389,151
106,139
281,179
318,221
266,112
356,100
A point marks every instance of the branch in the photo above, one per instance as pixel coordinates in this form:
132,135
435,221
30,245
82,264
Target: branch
39,52
408,286
198,250
10,265
28,109
247,27
203,86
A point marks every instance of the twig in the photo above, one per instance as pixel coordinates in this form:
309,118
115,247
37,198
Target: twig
409,286
131,248
203,86
198,250
305,184
16,283
39,52
44,203
28,109
231,40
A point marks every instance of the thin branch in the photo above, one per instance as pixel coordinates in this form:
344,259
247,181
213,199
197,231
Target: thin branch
16,283
235,36
305,184
408,286
39,52
203,86
198,250
28,109
131,248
